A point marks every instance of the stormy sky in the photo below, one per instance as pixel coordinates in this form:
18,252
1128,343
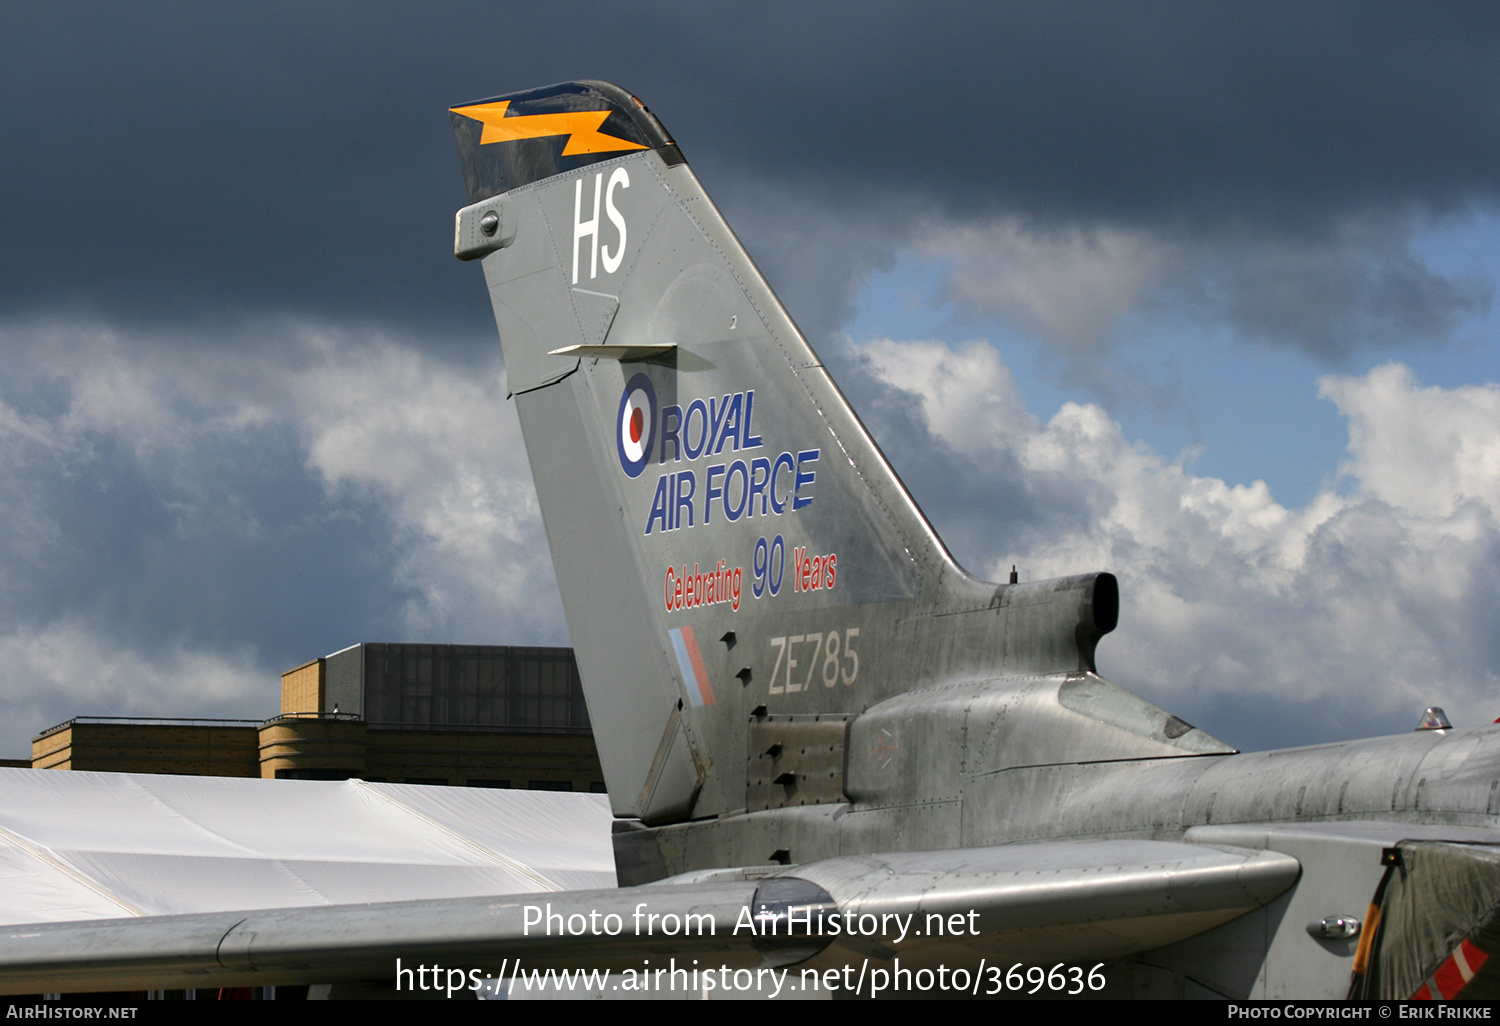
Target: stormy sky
1201,294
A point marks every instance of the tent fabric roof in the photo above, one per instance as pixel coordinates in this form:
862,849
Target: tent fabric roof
79,845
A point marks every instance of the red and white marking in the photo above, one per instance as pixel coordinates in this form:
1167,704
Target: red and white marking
635,421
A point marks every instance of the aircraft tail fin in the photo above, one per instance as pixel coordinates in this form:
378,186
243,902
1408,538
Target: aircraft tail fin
730,543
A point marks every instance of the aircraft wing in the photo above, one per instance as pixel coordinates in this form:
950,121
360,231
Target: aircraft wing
1080,903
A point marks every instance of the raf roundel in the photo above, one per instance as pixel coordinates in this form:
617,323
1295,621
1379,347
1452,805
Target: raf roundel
636,425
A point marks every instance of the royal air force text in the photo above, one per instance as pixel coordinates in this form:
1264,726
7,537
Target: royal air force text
733,488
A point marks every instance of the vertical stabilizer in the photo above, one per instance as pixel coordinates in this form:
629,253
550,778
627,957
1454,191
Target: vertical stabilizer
728,539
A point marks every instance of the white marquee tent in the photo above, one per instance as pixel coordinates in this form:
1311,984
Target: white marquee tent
78,845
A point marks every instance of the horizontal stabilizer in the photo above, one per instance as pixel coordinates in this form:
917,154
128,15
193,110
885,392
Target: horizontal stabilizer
1082,902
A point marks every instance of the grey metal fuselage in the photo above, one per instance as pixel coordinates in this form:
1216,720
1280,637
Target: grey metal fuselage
1424,783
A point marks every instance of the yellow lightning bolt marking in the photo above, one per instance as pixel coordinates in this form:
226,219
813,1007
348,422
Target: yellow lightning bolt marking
581,127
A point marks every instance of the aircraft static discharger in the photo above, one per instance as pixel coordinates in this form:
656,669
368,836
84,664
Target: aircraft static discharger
803,703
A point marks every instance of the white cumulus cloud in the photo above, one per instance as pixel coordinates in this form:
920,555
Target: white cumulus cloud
187,515
1346,615
442,449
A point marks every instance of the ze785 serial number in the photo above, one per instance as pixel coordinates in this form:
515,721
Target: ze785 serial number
810,658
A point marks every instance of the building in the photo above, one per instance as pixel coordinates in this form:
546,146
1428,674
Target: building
464,715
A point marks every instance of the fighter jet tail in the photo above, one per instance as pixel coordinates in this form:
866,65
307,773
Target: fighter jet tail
731,546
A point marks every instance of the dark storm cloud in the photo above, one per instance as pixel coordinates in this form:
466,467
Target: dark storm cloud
177,161
174,530
1347,294
1182,112
180,160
